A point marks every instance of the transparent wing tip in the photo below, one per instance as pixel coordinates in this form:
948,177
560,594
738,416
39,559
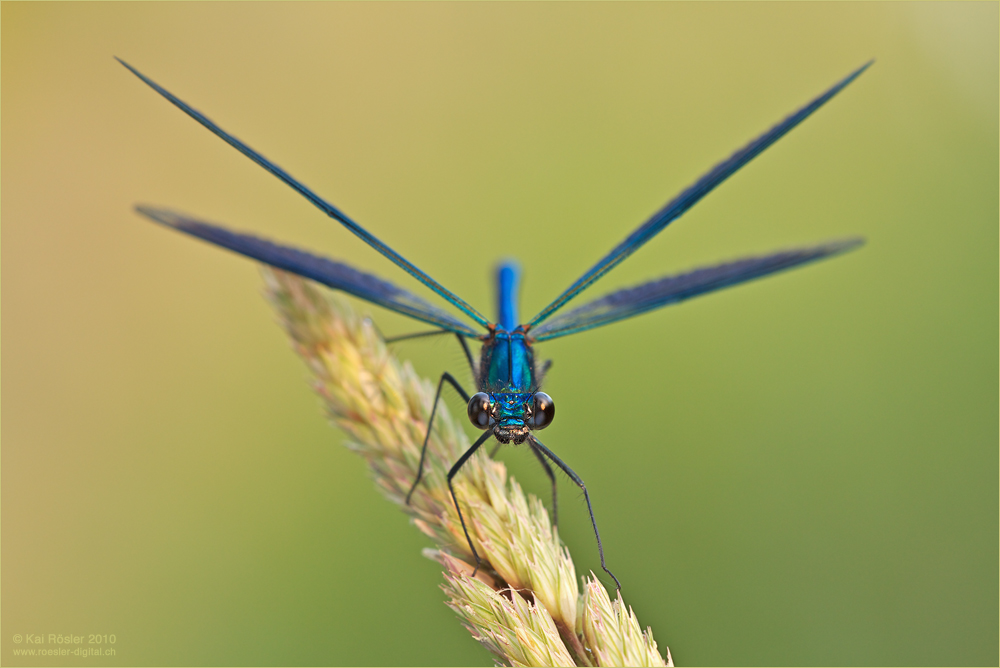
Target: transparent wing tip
162,216
841,245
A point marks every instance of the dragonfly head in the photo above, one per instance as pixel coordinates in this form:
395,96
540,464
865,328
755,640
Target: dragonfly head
511,415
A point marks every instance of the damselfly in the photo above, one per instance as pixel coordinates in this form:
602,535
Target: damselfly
508,404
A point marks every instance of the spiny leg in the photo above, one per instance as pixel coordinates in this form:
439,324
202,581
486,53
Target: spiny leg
540,376
435,332
451,474
468,357
558,462
430,424
552,477
414,335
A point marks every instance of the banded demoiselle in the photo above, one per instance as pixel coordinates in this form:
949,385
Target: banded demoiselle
508,404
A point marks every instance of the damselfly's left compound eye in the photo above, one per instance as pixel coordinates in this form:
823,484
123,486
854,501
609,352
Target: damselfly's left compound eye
543,409
479,410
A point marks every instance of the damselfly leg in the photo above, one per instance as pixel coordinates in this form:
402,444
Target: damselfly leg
445,377
451,474
552,477
579,481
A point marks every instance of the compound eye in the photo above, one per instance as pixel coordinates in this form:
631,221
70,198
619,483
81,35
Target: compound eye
543,411
479,410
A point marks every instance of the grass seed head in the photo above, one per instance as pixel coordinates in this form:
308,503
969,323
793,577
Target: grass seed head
524,604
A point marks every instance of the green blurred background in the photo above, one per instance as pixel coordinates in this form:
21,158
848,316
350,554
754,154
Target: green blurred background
798,471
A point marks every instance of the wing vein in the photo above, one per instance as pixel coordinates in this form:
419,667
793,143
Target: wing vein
672,289
315,267
315,199
689,197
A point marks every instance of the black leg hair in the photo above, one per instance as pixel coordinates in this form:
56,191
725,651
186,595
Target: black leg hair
451,474
377,330
558,462
546,365
430,424
417,335
468,356
552,477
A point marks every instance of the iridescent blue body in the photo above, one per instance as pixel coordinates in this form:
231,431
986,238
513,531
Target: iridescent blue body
507,364
508,377
509,404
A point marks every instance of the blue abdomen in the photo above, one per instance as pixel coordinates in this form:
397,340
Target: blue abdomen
508,278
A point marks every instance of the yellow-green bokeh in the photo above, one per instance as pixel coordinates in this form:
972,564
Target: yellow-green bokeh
798,471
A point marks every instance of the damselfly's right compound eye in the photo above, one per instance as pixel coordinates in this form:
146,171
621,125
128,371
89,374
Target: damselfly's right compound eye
543,411
479,410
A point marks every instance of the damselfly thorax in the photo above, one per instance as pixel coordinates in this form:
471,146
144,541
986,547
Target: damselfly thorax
508,401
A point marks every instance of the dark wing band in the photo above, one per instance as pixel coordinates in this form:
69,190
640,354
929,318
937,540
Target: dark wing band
320,269
315,199
672,289
677,206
